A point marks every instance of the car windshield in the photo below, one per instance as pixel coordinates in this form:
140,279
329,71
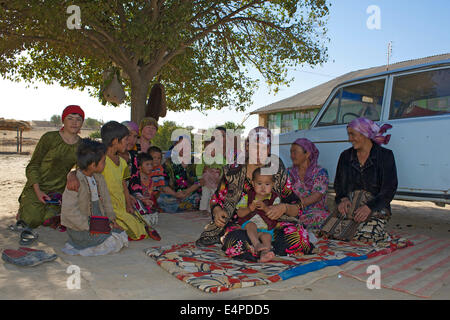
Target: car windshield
359,100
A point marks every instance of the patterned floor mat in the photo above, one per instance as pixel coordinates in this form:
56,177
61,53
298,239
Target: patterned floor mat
209,270
420,270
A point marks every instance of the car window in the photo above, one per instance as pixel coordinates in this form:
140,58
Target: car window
359,100
421,94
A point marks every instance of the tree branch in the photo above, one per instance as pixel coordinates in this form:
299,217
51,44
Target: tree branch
258,21
206,31
122,14
155,10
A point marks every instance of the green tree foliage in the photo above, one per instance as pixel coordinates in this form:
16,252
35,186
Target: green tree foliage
96,135
55,119
162,139
234,126
92,123
202,51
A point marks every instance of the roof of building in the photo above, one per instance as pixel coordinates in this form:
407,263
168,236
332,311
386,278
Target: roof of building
316,96
13,125
42,123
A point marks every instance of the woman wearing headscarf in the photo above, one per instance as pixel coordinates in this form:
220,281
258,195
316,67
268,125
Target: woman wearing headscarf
310,183
289,236
52,159
370,168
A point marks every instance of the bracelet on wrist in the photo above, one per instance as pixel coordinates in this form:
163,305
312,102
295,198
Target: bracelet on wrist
301,205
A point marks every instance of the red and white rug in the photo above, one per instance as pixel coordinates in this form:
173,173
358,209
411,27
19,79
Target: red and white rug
420,270
209,270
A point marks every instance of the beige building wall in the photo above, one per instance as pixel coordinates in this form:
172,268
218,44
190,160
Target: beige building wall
262,120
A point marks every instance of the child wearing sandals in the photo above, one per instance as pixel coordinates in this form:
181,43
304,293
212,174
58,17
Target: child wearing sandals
251,211
92,199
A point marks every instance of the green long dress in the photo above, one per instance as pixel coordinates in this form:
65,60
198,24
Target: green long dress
51,162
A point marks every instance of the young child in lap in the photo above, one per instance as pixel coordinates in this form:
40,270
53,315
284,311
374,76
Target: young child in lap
251,211
92,199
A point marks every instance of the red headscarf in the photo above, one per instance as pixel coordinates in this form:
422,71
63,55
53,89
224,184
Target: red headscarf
72,109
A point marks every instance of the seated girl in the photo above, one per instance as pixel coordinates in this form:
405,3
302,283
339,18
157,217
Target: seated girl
52,160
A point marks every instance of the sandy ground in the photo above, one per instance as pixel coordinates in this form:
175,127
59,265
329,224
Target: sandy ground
8,139
130,274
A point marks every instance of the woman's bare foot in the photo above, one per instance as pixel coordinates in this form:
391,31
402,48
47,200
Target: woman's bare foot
266,256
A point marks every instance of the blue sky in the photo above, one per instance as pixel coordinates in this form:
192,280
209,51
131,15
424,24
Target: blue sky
416,28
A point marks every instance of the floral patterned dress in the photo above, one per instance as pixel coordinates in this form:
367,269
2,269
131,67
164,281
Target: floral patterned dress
289,237
179,177
314,214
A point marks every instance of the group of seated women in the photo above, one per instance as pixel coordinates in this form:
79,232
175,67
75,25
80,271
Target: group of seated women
241,191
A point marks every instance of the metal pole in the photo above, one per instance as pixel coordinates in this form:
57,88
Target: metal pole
21,140
17,139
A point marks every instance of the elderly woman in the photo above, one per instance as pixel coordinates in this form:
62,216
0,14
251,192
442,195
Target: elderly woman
310,183
289,236
147,130
371,168
52,159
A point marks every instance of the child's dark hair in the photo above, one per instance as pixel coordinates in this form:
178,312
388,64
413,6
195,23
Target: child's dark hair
89,151
142,157
257,173
154,149
113,130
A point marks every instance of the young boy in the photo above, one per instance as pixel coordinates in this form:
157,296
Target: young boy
157,174
114,136
92,199
251,211
141,187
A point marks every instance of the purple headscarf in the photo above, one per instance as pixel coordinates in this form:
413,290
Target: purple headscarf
371,130
308,146
131,126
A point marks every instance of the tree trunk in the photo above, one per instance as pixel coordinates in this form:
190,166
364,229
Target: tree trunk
139,90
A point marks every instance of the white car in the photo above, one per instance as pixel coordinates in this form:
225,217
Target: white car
416,102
